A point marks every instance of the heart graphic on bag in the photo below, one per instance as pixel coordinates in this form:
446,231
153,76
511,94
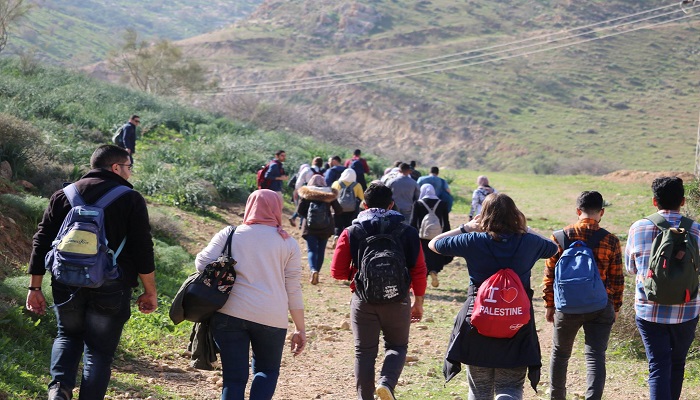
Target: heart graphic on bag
509,294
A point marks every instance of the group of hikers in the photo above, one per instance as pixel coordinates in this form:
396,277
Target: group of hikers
389,236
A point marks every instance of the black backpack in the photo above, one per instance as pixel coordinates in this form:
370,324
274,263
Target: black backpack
319,216
382,275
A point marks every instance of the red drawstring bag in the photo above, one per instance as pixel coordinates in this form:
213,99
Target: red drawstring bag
501,306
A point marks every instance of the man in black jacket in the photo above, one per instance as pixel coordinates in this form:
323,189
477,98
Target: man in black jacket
91,320
129,136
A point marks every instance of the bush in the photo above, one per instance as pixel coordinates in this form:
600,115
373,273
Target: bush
31,206
20,143
164,227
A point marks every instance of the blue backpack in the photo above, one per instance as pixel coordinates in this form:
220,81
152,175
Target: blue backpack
79,255
578,288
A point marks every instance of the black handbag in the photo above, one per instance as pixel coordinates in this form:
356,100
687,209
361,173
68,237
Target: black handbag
210,290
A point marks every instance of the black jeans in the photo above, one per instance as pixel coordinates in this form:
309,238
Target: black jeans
596,327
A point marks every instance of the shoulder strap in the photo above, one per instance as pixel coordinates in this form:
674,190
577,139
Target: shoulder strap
686,223
73,196
659,221
595,239
227,247
352,185
112,195
342,185
561,238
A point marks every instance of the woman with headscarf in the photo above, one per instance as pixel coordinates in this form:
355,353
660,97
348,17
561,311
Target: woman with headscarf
268,283
315,203
495,239
483,189
347,182
429,200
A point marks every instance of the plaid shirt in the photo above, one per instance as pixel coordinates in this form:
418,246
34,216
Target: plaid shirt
608,257
637,253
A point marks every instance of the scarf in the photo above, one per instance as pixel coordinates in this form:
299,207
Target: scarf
264,207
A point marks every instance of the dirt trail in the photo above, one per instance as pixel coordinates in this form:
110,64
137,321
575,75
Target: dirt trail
325,369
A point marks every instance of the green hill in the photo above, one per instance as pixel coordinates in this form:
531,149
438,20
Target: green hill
610,103
82,32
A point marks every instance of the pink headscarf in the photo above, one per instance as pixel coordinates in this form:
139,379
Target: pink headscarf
264,207
317,180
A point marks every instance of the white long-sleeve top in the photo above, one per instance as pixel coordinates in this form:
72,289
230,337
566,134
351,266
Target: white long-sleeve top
268,273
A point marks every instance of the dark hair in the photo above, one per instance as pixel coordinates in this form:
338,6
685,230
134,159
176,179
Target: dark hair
668,192
107,155
317,161
378,195
500,215
590,201
434,170
357,152
397,163
336,158
412,164
404,167
135,116
278,152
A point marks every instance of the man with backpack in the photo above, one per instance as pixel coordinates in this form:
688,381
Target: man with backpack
334,171
273,173
126,136
91,319
583,285
442,188
360,166
383,258
662,251
405,189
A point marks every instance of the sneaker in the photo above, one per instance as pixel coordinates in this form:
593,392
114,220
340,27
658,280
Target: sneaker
314,277
434,282
56,392
384,393
334,240
292,222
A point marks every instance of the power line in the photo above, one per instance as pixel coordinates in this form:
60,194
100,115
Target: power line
365,70
293,83
342,84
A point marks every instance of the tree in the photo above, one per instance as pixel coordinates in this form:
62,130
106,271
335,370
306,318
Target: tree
10,12
159,67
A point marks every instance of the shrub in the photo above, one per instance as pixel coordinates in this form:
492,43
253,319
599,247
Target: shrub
164,226
31,206
19,143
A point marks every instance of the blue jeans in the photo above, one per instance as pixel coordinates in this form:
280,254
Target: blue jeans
496,383
596,327
394,321
667,347
316,249
89,325
234,337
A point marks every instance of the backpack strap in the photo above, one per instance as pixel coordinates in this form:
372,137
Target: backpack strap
659,221
227,247
73,195
342,185
686,223
561,238
110,196
595,239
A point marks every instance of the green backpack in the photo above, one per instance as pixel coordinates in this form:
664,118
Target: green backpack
672,277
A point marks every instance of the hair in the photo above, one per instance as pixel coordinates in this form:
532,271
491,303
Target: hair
397,163
107,155
404,167
434,170
134,117
336,158
357,152
500,215
590,201
317,161
378,195
482,180
412,164
668,192
279,152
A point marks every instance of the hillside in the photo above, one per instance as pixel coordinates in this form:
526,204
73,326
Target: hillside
620,98
79,32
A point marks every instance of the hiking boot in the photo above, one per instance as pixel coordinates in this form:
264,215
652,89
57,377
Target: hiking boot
57,392
384,393
434,282
314,278
292,222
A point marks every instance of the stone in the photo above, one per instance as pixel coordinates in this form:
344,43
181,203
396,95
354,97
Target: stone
5,170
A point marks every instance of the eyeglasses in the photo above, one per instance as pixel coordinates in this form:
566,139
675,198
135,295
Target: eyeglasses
129,166
138,121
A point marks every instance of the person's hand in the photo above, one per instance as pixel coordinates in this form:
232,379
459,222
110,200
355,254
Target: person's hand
416,312
474,224
128,150
36,302
284,177
147,303
297,342
549,314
